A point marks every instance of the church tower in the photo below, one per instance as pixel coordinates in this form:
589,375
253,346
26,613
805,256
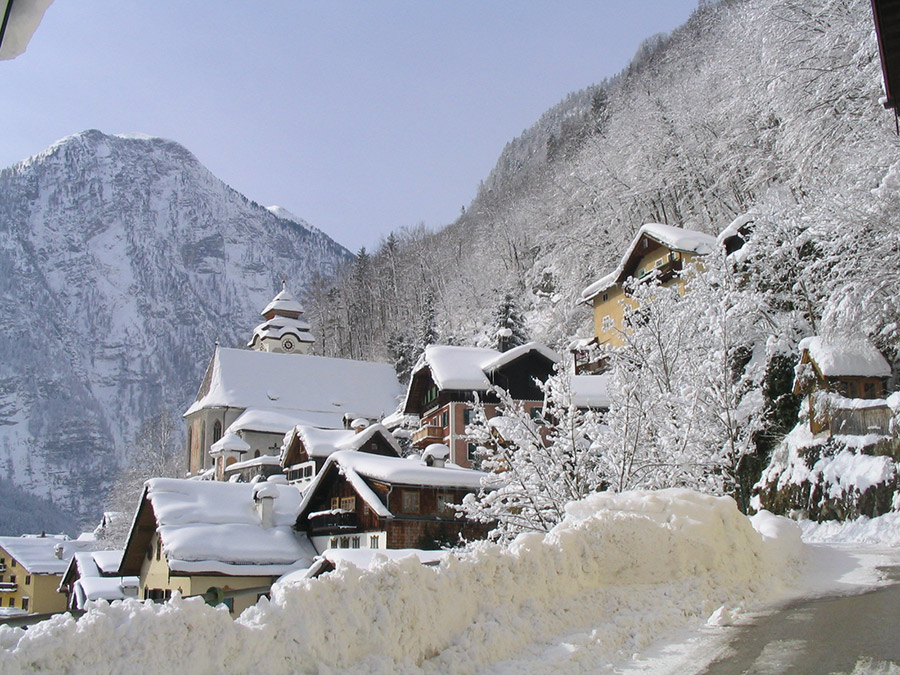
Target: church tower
283,331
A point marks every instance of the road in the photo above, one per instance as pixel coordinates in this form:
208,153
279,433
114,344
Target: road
845,634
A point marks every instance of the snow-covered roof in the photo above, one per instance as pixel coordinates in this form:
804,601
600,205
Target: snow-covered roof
283,302
590,391
209,526
308,386
262,460
845,357
355,466
674,238
362,558
24,18
230,442
97,578
268,421
323,442
469,368
734,228
38,554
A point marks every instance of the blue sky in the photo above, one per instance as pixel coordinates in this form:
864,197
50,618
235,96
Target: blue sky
360,117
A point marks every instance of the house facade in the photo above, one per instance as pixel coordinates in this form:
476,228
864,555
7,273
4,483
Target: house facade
31,569
658,252
447,379
844,383
364,501
306,449
190,536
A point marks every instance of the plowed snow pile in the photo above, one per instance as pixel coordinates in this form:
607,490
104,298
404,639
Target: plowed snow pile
618,573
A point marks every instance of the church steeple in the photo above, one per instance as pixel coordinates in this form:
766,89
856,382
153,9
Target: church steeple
284,331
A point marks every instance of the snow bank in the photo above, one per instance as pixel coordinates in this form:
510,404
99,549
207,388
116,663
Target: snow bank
883,530
616,574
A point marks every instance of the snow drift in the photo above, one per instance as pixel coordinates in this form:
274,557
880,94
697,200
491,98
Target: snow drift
615,575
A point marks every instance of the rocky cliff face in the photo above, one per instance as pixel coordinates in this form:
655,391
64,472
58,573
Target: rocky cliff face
122,261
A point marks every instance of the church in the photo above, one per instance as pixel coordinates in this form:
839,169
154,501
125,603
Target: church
250,398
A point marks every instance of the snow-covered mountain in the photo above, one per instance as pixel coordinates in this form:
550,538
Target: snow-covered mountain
122,261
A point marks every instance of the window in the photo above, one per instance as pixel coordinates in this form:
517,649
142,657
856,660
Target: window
229,603
373,541
12,602
410,501
12,562
869,390
445,419
158,547
672,257
256,454
217,431
608,323
348,503
467,416
345,542
355,542
471,452
335,503
12,579
605,297
25,604
660,262
332,543
28,580
535,414
445,503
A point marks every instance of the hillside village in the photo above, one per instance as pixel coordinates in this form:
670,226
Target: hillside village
295,461
672,383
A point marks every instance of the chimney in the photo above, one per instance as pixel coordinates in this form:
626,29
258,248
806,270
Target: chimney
436,455
264,495
58,551
359,425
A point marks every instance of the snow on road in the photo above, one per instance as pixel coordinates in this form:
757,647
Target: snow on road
597,593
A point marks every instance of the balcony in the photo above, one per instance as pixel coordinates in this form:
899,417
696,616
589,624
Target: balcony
327,522
427,435
8,587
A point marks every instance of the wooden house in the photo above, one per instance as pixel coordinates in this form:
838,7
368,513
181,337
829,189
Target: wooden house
365,501
305,448
844,383
190,536
657,252
446,379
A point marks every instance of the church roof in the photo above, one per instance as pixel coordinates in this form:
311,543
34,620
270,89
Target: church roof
283,302
307,386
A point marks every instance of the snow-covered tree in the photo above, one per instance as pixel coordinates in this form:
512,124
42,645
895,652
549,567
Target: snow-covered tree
535,464
508,324
158,451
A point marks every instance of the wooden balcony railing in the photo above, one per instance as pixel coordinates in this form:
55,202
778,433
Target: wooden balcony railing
427,435
330,521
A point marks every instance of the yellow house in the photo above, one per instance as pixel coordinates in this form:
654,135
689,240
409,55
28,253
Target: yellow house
657,252
31,568
190,536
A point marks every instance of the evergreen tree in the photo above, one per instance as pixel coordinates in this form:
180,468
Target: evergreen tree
508,324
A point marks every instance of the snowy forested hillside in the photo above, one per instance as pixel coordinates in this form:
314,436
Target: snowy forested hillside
122,261
765,105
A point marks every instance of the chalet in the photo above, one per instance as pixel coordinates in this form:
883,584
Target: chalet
31,568
93,575
305,448
366,501
844,383
446,379
250,398
657,252
190,536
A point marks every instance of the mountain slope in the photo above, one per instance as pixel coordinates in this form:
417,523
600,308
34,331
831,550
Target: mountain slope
122,261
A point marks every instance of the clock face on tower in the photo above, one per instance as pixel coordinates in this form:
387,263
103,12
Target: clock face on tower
287,344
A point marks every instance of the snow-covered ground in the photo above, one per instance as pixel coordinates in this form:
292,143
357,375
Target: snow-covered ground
640,581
